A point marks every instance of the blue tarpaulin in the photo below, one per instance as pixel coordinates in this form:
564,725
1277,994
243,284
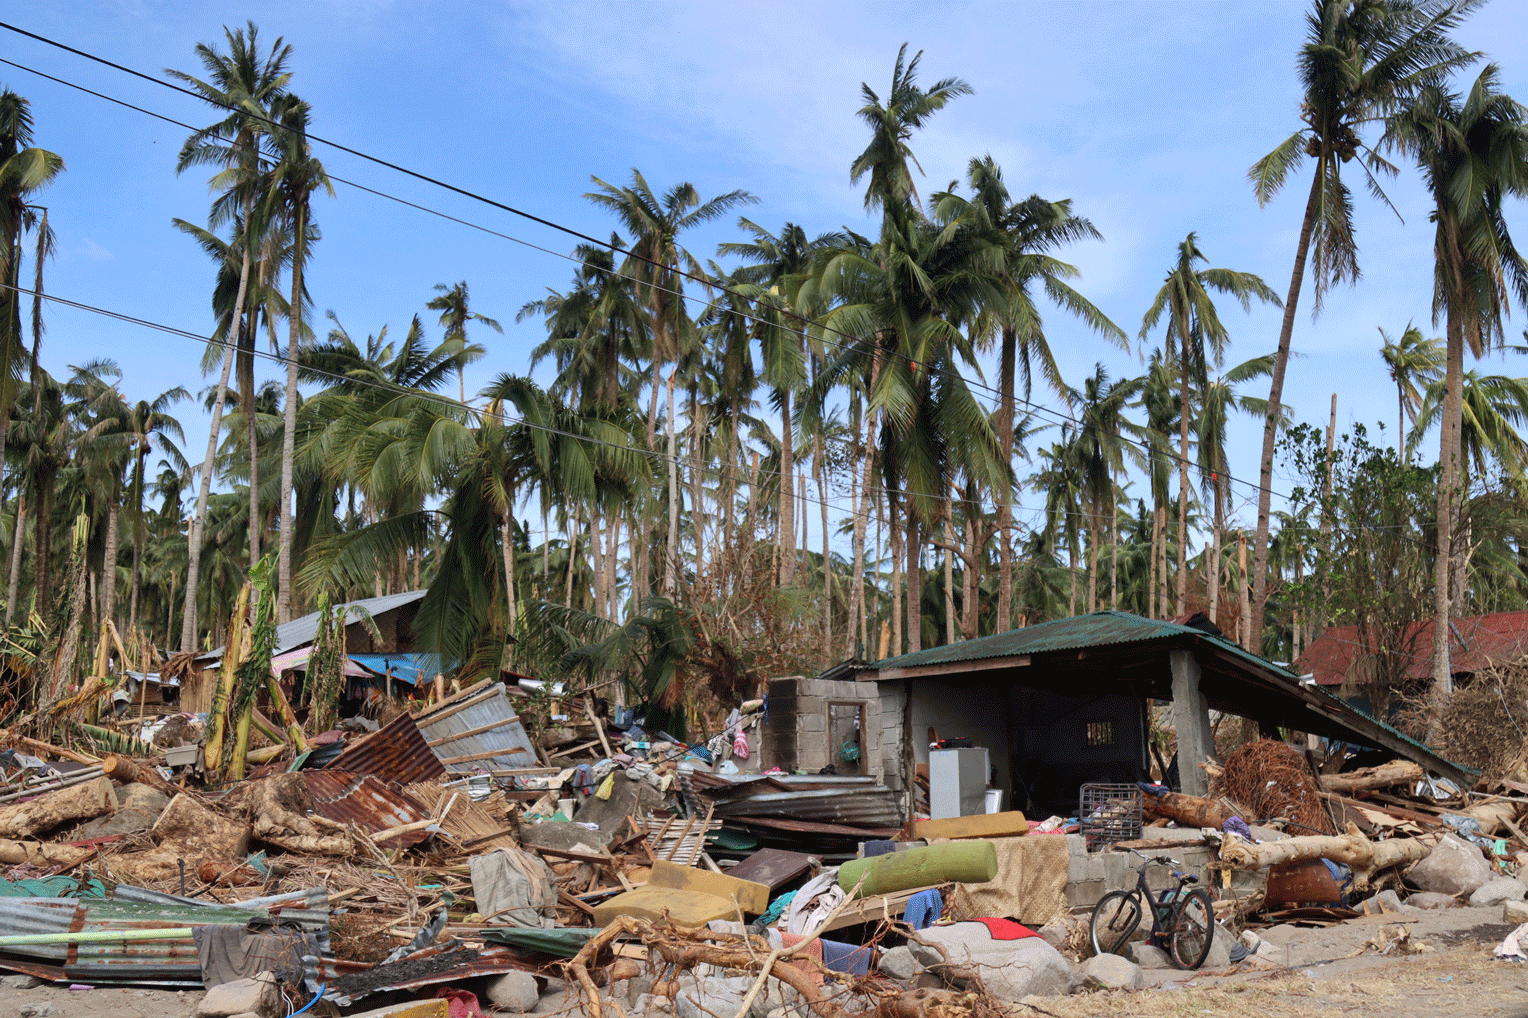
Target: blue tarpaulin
415,668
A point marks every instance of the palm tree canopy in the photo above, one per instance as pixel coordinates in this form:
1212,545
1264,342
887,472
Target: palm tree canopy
906,109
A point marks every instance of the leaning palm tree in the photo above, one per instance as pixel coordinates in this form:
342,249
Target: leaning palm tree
1411,359
1473,153
1185,299
243,85
24,170
294,178
1361,61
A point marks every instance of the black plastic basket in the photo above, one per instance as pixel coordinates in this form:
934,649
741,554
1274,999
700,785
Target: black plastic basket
1108,813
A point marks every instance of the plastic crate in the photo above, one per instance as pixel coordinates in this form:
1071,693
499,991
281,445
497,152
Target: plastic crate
1108,813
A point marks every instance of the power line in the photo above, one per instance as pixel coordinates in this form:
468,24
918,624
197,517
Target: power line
701,279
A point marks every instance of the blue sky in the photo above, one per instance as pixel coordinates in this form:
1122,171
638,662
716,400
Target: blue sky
1146,115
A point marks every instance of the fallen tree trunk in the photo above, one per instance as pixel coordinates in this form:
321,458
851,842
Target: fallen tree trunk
78,802
17,853
1351,849
128,772
1190,810
1396,772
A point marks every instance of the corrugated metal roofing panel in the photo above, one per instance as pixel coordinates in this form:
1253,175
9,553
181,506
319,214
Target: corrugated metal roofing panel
1094,630
490,717
304,630
395,752
366,802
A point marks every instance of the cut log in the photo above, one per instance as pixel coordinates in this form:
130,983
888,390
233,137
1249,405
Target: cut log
1396,772
193,830
1351,849
1190,810
17,853
129,772
78,802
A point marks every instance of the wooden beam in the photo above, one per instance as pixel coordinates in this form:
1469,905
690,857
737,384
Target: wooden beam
469,733
953,668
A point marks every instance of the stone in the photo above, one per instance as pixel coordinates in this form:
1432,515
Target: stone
649,1004
513,991
1431,899
1148,956
257,995
20,982
1453,867
899,963
1498,890
142,798
37,1010
563,836
925,955
1111,972
1010,969
1220,949
775,996
1514,912
1384,901
715,996
128,821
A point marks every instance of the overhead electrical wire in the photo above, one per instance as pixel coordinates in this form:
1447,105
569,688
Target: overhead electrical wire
1031,406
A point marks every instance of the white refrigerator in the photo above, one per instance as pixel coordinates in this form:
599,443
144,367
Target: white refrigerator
957,782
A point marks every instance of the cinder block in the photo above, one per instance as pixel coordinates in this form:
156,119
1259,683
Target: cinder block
1118,873
813,722
1084,893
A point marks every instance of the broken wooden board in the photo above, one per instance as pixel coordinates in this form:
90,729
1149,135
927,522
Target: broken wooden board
874,908
772,867
691,896
977,825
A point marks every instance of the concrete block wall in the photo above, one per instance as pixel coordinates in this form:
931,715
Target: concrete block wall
795,735
1091,875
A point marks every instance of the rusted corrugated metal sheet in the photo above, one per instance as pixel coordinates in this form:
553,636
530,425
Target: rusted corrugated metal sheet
366,802
396,752
497,741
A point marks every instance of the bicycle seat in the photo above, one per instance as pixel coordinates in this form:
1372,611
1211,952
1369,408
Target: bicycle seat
1187,878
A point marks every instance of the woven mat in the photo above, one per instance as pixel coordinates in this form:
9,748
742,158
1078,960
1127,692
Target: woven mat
1030,886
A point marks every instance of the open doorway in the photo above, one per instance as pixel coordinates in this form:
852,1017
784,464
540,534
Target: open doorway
846,737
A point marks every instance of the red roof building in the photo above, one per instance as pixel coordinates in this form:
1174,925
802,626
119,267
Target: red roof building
1475,643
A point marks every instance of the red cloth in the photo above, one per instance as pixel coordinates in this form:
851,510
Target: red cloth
813,950
460,1003
1006,929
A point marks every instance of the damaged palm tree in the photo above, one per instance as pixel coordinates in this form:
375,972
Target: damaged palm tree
325,668
254,671
233,653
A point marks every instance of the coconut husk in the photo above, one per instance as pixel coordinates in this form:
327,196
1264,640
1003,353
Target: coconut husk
1273,781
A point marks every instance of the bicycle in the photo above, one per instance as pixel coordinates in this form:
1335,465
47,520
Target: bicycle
1182,922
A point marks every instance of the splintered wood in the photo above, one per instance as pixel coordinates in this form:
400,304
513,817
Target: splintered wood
679,840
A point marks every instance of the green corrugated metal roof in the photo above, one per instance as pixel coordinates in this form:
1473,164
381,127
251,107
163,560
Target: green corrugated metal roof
1100,629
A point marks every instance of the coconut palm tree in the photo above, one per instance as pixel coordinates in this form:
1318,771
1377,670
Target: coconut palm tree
456,315
1101,447
1360,61
1192,316
24,170
907,108
1472,150
1410,360
1492,408
243,85
296,175
1218,400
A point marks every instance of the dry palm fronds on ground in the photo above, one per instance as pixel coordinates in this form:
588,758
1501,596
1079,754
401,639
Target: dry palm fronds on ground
1485,723
1273,781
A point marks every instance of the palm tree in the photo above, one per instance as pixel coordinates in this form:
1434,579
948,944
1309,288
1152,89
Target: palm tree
1100,449
892,123
244,86
1360,61
1218,400
150,426
1411,359
1185,298
455,314
24,170
1473,154
1022,234
1492,408
295,176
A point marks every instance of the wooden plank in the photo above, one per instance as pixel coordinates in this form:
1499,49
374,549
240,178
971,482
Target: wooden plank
772,867
599,729
978,825
874,908
469,733
576,749
485,755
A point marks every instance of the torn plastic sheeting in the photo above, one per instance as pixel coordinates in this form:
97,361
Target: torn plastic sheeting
366,802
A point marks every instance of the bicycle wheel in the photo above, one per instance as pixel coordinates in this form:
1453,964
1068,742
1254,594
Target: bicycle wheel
1193,927
1115,918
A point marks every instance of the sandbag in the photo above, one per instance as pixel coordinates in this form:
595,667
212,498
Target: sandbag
971,862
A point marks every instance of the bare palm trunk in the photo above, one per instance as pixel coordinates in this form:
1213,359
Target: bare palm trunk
1071,573
575,527
827,563
1276,395
697,493
108,603
204,487
892,524
1093,562
1213,575
1181,601
1244,604
787,494
246,370
1156,537
949,573
858,492
1448,458
751,552
1113,549
18,538
64,665
289,425
1005,494
671,546
914,583
1162,577
507,543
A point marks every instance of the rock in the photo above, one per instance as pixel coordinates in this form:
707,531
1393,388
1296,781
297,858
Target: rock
562,836
128,821
142,798
925,955
1453,867
1010,969
649,1004
1111,972
513,991
1498,890
20,982
1432,899
37,1010
1514,912
1384,901
257,995
775,996
899,963
1148,956
1220,949
714,996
